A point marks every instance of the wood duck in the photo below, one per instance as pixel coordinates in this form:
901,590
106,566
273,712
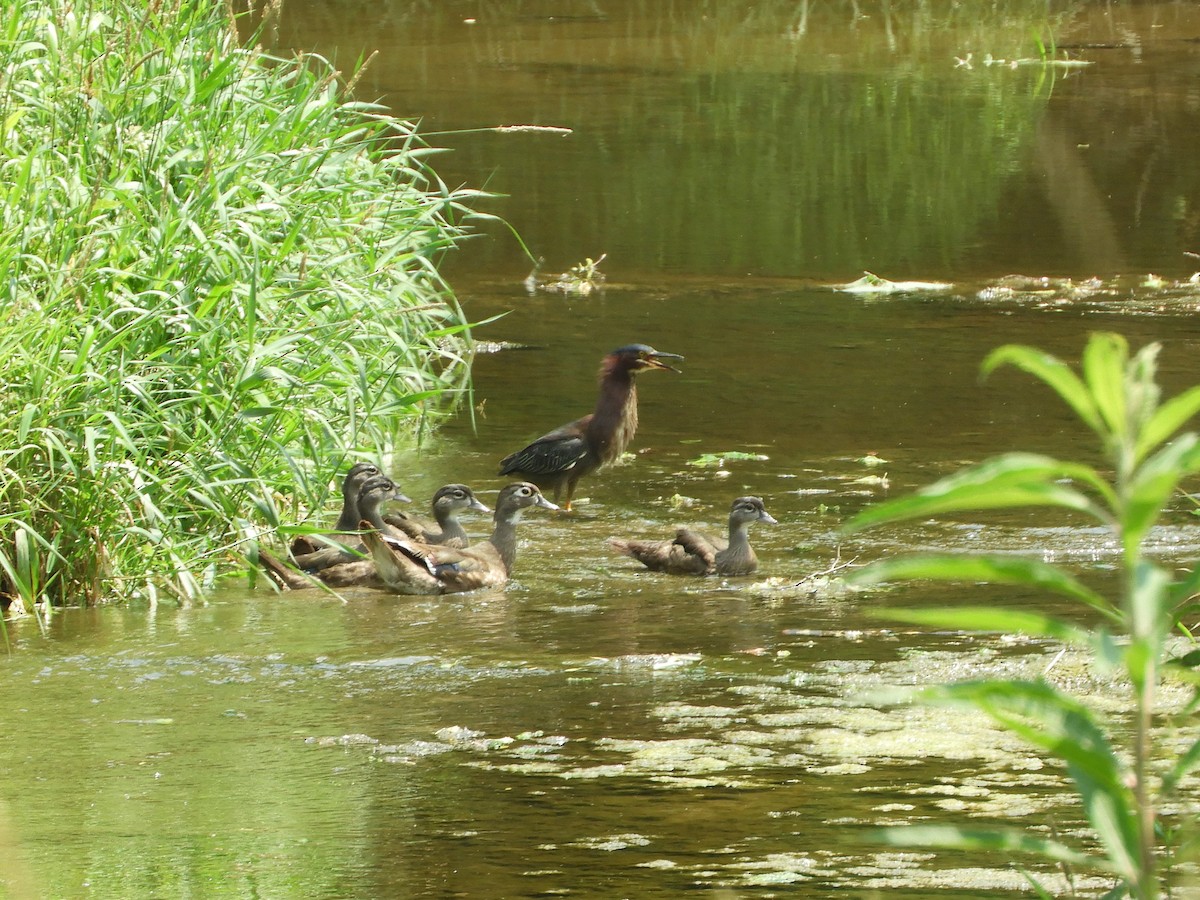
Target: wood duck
408,567
691,553
375,491
559,459
449,500
346,527
337,566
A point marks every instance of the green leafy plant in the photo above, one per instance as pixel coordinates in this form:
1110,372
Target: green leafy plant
218,278
1122,777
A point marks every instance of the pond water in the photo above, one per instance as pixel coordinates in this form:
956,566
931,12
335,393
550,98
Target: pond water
596,730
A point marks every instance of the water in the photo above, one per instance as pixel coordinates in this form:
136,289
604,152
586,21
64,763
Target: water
600,731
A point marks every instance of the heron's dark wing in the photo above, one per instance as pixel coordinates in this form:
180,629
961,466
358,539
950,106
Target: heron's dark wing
559,451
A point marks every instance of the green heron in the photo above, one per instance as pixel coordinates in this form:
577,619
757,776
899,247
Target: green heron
691,553
346,527
341,566
559,459
406,567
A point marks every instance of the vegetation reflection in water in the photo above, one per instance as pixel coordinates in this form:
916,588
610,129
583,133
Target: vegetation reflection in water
821,141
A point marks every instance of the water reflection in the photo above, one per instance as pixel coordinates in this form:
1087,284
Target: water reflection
785,139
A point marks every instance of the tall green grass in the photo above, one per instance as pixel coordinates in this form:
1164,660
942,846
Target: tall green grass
218,277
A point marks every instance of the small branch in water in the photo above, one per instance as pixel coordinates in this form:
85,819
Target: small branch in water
504,129
547,129
836,566
1050,665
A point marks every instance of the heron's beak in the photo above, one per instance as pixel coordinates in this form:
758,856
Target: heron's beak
655,361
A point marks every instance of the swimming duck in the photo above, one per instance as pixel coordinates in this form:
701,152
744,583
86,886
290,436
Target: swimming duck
375,491
449,500
558,460
408,567
337,566
691,553
344,530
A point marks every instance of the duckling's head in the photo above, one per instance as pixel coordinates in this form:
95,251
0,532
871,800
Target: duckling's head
750,509
377,490
518,497
357,476
453,497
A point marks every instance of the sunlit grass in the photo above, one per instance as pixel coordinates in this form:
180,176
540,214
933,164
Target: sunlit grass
217,277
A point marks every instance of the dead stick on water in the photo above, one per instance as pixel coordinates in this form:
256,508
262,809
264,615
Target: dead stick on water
836,566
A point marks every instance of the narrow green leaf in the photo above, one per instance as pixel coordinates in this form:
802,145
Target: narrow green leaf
1167,419
1187,761
1054,372
952,837
982,618
25,423
1152,485
1186,590
1060,725
992,569
1014,479
1038,889
1151,599
1104,362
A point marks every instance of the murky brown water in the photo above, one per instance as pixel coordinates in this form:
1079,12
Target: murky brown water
597,731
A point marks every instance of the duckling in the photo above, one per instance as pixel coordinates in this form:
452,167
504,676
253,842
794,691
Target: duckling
375,491
407,567
337,566
347,524
447,502
691,553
